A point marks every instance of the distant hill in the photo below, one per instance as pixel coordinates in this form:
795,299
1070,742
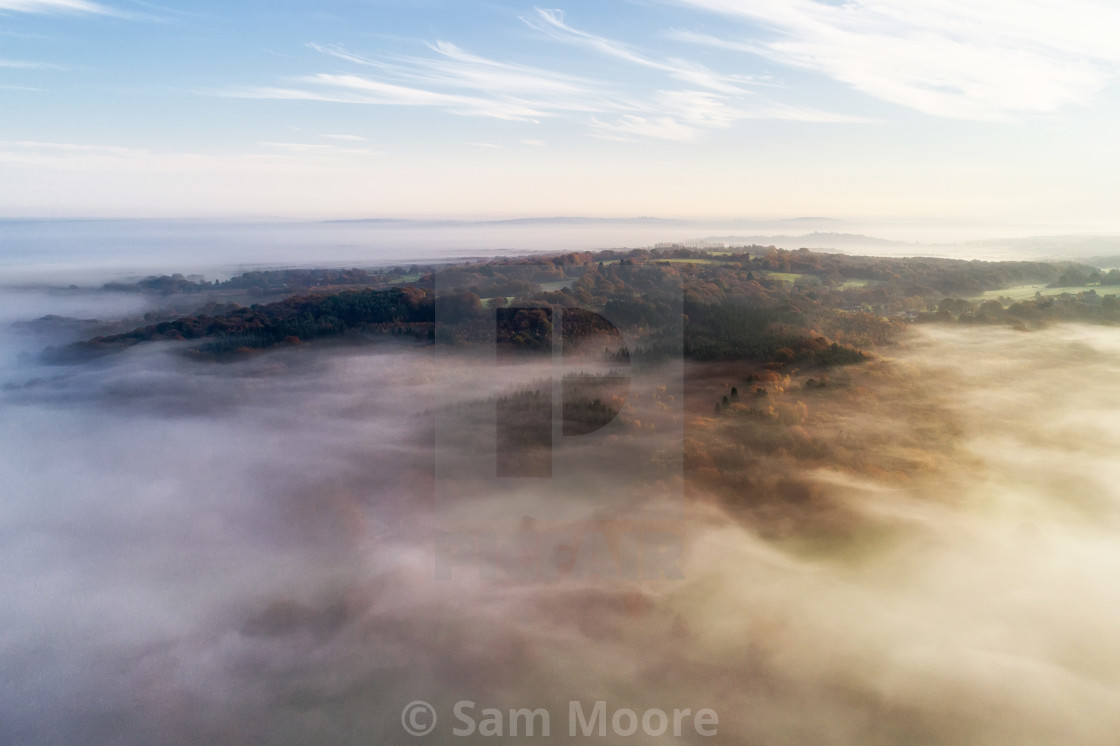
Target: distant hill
802,223
557,220
814,240
765,305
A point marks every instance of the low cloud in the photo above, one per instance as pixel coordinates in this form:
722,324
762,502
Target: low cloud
244,551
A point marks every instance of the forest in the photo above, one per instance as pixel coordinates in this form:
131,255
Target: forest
746,303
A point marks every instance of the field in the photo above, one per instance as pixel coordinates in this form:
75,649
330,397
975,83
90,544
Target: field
793,277
551,287
1026,292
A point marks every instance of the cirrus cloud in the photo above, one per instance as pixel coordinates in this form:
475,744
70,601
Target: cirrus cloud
991,60
457,81
54,6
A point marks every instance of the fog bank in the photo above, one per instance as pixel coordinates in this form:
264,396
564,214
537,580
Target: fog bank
246,552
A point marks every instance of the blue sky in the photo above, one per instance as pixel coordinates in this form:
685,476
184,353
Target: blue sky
925,109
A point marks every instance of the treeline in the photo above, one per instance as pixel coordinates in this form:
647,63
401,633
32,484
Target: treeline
397,311
1086,306
267,282
756,303
1082,276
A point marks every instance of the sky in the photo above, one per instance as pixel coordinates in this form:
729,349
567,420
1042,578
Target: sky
986,110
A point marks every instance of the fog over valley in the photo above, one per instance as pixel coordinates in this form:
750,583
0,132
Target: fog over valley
287,544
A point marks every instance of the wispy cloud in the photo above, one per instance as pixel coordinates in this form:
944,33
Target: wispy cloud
351,88
704,109
978,60
454,80
662,128
551,22
456,68
679,114
350,138
462,82
55,6
27,65
69,156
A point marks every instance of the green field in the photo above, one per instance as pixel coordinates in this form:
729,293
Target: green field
793,277
550,287
1026,292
